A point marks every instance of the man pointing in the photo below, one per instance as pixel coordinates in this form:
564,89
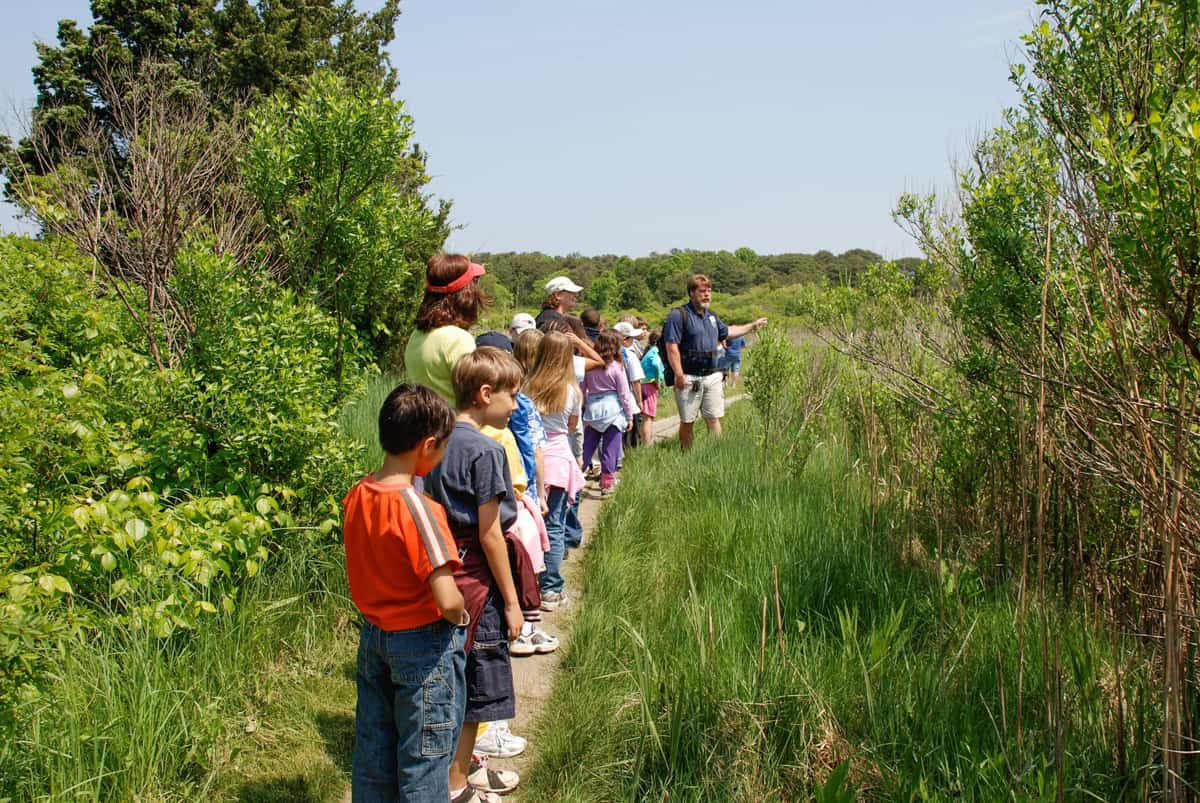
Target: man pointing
692,335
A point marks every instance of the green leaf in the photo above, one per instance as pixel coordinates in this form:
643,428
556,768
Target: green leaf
136,528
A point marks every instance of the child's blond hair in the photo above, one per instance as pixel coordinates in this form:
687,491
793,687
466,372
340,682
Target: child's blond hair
553,374
525,349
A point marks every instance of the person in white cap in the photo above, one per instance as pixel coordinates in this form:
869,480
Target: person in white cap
521,322
562,295
633,370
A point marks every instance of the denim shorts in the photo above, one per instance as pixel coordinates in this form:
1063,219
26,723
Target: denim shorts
490,694
410,711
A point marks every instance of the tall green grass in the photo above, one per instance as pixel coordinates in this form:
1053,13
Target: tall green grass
360,417
690,678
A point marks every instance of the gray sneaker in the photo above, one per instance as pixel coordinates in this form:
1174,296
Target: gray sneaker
499,742
551,600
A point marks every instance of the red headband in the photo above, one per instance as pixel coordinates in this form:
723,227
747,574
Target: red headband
472,272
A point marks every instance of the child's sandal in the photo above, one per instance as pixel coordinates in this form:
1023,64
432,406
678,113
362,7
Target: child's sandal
489,781
473,795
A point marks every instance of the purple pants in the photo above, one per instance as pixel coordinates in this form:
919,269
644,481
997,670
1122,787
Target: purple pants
610,451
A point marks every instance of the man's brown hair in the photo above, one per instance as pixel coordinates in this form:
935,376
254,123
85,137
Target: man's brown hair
697,280
449,309
484,366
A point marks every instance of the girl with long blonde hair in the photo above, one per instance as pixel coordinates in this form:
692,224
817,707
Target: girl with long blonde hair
552,387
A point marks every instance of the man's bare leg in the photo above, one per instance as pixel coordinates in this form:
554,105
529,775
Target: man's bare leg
714,426
685,436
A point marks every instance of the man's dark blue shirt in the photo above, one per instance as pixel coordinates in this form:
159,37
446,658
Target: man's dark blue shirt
698,340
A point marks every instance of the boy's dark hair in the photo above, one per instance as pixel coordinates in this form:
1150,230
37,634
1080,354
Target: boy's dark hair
590,318
409,415
655,336
484,366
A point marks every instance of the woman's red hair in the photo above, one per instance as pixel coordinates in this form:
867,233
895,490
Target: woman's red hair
459,309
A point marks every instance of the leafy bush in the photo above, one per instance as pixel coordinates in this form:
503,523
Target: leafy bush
789,387
257,384
63,425
146,497
339,181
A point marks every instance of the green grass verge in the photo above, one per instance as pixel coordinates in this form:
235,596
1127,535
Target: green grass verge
256,707
677,686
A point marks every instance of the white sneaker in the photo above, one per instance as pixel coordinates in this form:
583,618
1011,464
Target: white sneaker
522,645
542,642
500,742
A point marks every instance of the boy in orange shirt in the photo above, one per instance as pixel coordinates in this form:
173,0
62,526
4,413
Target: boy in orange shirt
400,560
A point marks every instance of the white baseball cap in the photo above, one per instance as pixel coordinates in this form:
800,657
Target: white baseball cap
626,329
561,283
522,322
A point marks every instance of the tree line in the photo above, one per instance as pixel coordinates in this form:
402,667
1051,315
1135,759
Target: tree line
614,282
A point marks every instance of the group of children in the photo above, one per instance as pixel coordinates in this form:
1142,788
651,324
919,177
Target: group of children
452,581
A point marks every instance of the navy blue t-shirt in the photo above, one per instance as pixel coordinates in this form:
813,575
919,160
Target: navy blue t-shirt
698,340
473,471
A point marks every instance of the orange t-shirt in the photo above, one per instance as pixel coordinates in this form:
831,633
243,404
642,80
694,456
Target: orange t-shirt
395,538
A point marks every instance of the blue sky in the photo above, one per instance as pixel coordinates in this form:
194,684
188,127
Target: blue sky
603,126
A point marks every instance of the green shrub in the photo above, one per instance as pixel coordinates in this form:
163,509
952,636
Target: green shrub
789,387
339,181
148,499
257,383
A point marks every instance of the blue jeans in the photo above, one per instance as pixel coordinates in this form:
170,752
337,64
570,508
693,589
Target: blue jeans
573,527
411,700
556,524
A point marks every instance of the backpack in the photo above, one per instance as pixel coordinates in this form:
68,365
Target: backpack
668,372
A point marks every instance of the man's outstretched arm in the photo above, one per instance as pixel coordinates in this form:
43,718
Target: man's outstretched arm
746,328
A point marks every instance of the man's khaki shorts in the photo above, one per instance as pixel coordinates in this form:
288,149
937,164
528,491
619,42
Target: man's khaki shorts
707,400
